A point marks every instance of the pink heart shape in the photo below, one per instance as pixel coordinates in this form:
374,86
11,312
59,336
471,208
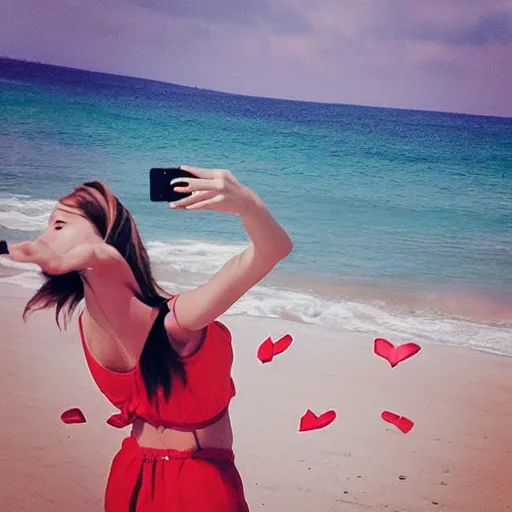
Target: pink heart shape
310,421
74,415
392,354
401,422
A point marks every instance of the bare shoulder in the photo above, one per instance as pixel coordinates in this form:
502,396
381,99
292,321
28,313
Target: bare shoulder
104,348
113,304
184,341
117,316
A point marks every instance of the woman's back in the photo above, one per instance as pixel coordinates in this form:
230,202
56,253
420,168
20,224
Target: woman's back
194,402
168,373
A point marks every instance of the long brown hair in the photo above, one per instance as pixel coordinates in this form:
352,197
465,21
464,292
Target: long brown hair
116,226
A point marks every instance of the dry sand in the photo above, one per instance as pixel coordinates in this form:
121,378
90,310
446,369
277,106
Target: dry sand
456,458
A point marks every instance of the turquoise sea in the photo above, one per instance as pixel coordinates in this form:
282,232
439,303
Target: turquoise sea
402,220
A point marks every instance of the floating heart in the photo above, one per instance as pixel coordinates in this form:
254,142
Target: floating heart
73,415
401,422
117,421
392,354
267,350
282,344
310,421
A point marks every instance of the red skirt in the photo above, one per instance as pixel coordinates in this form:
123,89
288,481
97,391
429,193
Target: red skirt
158,480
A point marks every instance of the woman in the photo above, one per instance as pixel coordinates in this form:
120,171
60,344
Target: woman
164,362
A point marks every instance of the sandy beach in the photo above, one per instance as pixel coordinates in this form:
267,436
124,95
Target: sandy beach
456,458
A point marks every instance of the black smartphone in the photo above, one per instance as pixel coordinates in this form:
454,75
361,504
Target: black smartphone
160,188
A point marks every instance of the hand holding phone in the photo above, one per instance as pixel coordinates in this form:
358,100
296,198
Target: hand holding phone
203,189
160,188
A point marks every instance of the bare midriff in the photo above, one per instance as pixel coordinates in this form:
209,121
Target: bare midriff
217,435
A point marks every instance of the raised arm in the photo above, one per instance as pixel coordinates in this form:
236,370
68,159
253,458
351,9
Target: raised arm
269,243
85,256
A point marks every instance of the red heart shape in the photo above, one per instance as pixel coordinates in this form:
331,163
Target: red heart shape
392,354
282,344
310,421
118,421
267,350
73,415
401,422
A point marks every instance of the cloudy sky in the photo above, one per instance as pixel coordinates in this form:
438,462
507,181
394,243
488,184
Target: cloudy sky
450,55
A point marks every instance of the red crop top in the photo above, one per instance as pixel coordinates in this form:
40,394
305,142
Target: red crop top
199,403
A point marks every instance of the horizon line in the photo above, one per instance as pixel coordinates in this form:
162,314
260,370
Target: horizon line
447,112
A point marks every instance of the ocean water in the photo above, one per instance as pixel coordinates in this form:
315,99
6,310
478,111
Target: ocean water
401,220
